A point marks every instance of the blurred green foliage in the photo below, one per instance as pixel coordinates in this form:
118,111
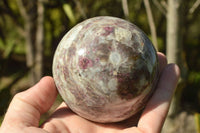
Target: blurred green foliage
197,121
62,15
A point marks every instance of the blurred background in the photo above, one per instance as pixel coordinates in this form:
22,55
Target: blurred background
30,31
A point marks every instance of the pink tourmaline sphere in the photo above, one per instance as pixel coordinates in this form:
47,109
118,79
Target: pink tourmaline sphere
105,69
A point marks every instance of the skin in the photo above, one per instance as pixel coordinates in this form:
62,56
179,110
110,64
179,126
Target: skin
26,108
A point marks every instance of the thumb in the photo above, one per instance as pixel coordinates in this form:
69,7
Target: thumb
26,107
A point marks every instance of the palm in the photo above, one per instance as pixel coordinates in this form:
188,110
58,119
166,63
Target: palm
71,122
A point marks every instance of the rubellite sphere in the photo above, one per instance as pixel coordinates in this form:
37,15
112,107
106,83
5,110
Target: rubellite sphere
105,69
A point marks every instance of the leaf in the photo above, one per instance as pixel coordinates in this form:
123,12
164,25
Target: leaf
69,12
9,50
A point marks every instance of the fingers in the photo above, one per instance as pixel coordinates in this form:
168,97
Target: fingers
156,110
162,60
27,107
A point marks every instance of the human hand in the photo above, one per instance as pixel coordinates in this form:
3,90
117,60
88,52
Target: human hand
26,108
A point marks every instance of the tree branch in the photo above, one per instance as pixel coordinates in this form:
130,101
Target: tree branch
164,4
151,23
39,43
194,7
80,8
22,10
125,8
160,7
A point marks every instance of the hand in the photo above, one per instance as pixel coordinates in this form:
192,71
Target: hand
25,109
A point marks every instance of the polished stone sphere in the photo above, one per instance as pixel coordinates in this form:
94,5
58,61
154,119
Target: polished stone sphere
105,69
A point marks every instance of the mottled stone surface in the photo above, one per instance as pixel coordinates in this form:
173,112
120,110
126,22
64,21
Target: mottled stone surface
105,69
